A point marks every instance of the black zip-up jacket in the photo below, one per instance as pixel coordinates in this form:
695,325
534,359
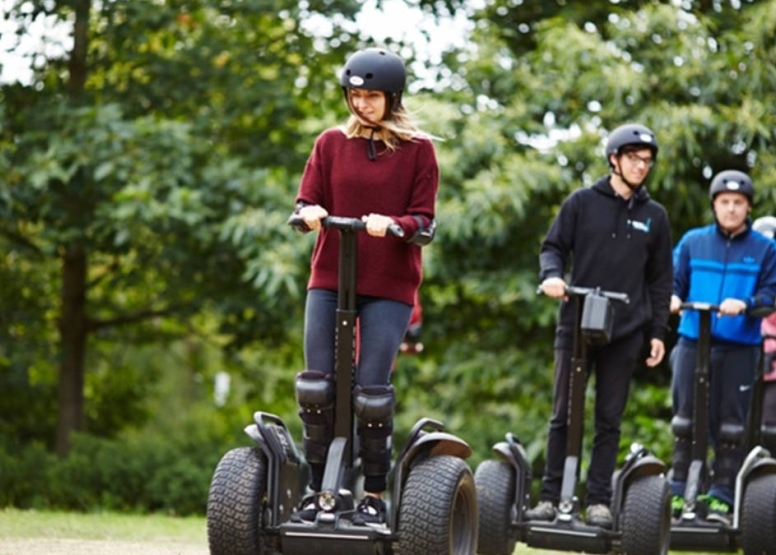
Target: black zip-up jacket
617,245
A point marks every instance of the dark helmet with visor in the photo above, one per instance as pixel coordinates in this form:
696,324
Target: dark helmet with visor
732,181
631,134
375,69
766,225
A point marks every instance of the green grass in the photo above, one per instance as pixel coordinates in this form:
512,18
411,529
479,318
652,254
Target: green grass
101,526
113,526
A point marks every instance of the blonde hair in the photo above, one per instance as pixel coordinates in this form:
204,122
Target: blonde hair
397,127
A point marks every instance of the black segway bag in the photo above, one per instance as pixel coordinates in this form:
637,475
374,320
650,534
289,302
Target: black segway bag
597,319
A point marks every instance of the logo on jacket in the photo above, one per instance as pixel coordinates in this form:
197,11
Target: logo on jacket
641,226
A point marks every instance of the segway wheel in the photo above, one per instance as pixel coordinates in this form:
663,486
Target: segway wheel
495,482
235,504
646,517
438,512
758,516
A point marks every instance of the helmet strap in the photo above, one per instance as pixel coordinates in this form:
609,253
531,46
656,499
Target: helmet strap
371,149
628,184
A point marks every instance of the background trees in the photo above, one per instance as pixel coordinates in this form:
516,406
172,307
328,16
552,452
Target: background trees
146,175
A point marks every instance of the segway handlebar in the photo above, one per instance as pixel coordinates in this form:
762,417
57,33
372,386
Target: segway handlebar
699,306
344,224
574,291
757,312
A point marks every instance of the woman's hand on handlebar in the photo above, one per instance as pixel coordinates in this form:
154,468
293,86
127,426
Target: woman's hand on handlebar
377,224
554,287
676,305
312,216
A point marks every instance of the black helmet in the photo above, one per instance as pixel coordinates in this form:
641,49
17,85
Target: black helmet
733,181
631,134
766,225
374,69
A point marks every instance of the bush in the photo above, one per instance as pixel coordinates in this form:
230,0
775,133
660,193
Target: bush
23,475
133,473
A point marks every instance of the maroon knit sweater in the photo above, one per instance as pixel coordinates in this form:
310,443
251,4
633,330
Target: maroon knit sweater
401,184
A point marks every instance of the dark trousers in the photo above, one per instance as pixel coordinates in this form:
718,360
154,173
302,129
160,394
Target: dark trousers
730,392
381,322
613,365
769,415
769,404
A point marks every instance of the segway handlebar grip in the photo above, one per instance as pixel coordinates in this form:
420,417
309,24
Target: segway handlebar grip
344,224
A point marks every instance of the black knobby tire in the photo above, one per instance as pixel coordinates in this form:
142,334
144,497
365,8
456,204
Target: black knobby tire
495,482
438,512
646,517
235,503
758,516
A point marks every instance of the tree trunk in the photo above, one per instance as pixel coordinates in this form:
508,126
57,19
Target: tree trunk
73,324
72,331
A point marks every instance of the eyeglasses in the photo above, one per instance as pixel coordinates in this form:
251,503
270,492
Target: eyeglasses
635,159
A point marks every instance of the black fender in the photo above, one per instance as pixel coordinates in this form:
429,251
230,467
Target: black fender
756,463
512,452
285,467
433,444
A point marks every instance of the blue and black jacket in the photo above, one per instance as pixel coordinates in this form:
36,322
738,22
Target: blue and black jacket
711,266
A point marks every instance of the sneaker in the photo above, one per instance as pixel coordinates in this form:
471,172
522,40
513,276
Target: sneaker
599,515
371,511
719,511
308,509
677,506
544,510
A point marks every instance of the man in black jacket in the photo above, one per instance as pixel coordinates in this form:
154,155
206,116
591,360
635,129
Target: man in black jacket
620,240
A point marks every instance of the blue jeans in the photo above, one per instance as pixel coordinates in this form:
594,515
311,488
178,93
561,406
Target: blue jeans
382,323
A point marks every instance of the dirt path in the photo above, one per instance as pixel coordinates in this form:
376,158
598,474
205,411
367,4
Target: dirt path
25,546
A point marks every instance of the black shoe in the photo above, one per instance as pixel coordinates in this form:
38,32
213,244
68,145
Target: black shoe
308,509
371,511
599,515
544,510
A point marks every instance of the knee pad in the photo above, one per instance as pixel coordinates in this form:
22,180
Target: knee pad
731,435
729,454
682,429
374,408
681,426
315,395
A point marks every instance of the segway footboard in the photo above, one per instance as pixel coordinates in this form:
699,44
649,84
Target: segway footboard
335,533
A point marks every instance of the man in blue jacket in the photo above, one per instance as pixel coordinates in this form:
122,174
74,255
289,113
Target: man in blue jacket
618,239
730,265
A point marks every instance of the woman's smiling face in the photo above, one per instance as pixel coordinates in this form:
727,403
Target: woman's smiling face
368,106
